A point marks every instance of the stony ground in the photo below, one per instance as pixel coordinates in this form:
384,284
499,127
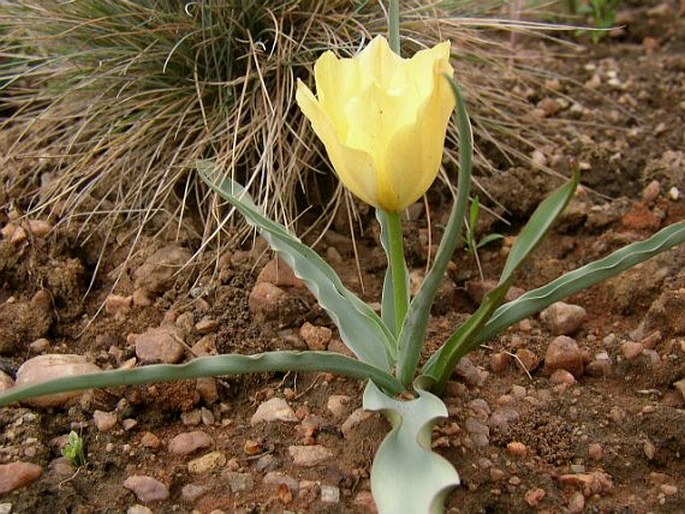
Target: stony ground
580,409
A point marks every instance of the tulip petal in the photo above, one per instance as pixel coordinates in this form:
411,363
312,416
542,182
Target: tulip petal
355,167
382,119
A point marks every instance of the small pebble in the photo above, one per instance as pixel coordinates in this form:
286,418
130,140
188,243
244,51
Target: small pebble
517,448
265,299
159,345
339,405
651,191
46,367
277,478
330,494
528,358
191,418
150,440
576,504
209,462
16,475
190,442
104,421
317,338
668,490
239,481
561,376
139,509
564,353
129,424
357,417
192,492
499,362
309,456
146,489
649,449
533,497
563,318
631,350
595,451
275,409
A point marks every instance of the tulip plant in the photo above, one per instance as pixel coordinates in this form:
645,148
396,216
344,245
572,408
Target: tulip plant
382,120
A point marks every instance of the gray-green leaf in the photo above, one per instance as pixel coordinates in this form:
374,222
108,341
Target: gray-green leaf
406,476
360,327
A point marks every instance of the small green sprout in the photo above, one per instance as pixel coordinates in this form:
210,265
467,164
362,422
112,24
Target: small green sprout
473,244
75,450
601,12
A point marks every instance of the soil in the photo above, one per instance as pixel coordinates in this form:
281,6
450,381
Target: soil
611,440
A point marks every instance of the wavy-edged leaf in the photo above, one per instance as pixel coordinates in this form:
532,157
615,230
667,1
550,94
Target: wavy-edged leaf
406,476
212,366
538,225
582,278
414,327
360,327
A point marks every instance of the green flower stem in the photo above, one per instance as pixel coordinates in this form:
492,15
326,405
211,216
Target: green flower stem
394,26
398,268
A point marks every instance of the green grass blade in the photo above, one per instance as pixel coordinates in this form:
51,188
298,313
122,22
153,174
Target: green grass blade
217,365
414,328
406,476
582,278
440,365
538,225
360,327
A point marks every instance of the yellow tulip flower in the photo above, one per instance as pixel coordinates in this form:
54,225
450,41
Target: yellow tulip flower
382,119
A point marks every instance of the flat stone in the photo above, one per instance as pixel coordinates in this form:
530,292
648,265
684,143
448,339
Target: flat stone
309,456
596,482
339,405
563,318
206,463
6,381
631,349
275,409
265,299
159,344
330,493
146,489
561,376
16,475
46,367
278,273
190,442
139,509
239,481
316,338
564,353
157,272
104,421
357,417
277,478
116,304
192,492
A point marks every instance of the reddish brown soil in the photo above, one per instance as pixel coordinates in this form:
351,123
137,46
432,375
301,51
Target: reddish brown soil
630,134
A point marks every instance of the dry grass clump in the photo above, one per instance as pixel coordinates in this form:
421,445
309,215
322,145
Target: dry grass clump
112,102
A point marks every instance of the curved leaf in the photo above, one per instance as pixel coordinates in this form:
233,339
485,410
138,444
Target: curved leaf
406,476
582,278
360,327
537,226
211,366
